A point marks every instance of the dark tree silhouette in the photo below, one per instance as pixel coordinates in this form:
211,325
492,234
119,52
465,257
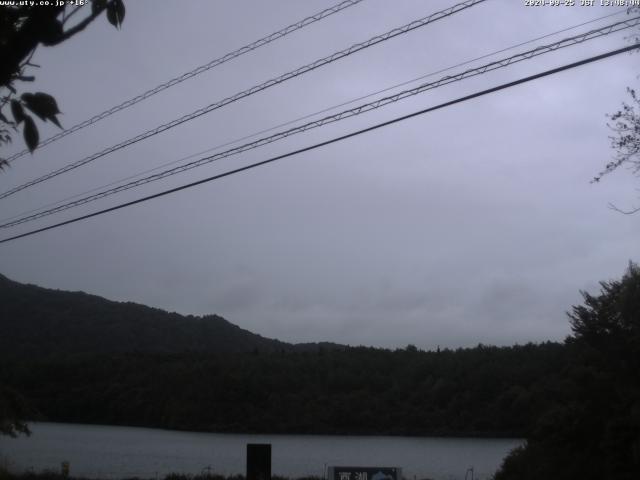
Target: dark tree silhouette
612,316
625,124
22,30
592,429
625,141
13,408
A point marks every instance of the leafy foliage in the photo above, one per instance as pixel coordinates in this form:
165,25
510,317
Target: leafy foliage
592,429
115,13
31,136
22,29
43,105
625,124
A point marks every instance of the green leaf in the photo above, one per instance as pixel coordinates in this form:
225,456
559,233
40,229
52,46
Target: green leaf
55,120
115,13
30,133
43,105
17,111
97,6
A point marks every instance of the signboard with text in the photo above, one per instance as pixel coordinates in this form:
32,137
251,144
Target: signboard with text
364,473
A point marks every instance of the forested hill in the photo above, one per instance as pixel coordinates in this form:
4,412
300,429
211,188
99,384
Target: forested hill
82,358
85,359
37,322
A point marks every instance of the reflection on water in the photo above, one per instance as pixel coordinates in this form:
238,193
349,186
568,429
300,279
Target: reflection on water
115,452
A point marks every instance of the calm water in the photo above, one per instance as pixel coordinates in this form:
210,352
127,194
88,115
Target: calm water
113,452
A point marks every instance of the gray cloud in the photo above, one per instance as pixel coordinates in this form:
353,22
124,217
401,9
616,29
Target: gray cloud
472,224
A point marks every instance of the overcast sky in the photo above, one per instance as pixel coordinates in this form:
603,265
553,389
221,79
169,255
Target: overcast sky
475,223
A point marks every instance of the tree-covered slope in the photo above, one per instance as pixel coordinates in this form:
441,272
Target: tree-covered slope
81,358
37,322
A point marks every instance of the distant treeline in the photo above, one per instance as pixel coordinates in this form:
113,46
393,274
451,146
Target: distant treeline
485,391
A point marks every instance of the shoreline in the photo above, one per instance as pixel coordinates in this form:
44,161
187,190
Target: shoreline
444,436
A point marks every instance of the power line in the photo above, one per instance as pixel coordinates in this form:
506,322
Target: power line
196,71
335,139
340,116
502,63
270,83
310,115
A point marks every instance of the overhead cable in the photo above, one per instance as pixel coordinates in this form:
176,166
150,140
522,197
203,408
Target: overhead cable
307,116
196,71
502,63
258,88
333,140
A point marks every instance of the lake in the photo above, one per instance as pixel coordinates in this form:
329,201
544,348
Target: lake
116,452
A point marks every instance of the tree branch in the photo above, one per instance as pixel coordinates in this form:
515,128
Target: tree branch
81,26
624,212
66,18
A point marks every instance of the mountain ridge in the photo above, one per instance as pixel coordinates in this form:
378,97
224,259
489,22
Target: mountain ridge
40,322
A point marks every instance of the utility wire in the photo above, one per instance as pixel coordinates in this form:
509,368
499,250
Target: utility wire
502,63
196,71
305,117
270,83
334,140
